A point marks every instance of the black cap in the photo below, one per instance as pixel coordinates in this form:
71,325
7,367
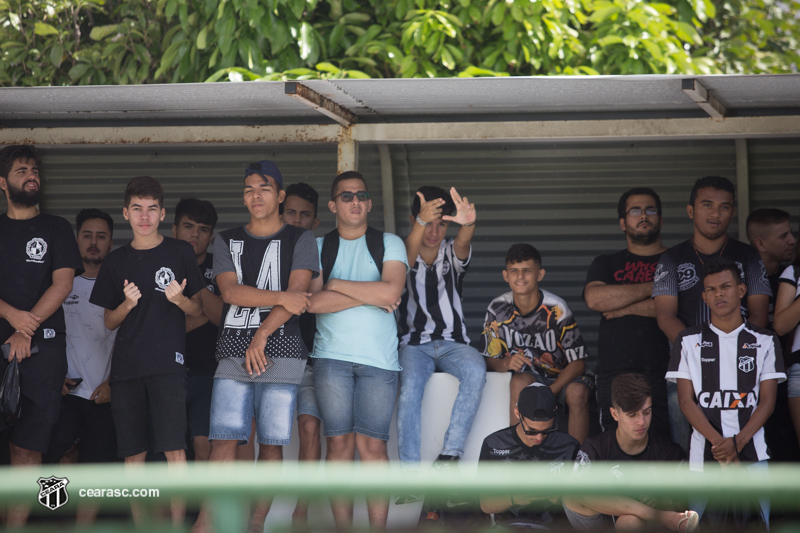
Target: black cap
537,403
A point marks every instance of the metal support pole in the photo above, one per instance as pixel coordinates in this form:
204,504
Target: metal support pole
387,184
347,158
742,187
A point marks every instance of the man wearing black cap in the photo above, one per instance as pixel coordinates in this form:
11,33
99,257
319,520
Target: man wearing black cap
534,438
263,270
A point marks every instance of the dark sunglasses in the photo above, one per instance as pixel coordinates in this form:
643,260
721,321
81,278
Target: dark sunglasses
537,432
348,196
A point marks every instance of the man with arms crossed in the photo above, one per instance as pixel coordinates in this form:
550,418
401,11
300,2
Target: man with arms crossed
141,286
619,286
677,287
355,374
632,440
727,371
263,270
194,223
433,333
39,262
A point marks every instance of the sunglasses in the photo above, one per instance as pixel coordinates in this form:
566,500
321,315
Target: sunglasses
348,196
537,432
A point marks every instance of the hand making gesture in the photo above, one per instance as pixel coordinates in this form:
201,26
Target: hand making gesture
465,211
429,211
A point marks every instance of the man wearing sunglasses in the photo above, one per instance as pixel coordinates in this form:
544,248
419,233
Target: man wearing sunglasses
534,438
619,285
355,347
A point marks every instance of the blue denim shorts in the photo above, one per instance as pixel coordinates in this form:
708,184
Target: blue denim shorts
306,396
235,403
793,380
355,398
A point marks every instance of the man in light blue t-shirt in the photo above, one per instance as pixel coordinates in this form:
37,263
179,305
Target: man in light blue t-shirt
356,367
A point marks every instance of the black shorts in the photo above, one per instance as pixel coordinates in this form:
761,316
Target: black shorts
198,401
41,377
148,404
88,424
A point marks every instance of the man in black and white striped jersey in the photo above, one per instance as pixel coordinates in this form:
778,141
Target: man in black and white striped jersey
727,371
433,334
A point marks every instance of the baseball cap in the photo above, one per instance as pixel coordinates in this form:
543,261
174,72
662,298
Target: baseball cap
537,403
265,168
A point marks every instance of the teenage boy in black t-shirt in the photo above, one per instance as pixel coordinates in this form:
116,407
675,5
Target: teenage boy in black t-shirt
631,441
38,261
139,287
194,223
619,285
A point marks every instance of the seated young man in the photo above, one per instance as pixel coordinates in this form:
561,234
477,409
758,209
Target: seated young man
727,371
534,438
433,332
632,409
532,333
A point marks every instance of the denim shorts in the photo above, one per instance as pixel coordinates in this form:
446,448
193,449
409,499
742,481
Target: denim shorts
793,380
235,403
306,396
355,398
598,522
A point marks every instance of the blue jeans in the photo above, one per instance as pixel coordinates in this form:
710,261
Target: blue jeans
235,403
355,398
679,427
418,363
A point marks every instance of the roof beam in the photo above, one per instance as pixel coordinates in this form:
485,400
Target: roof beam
703,98
320,103
429,132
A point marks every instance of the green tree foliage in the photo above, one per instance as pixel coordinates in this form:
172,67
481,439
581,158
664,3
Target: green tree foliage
64,42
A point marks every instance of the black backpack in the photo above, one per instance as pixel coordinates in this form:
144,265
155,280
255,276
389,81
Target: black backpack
330,249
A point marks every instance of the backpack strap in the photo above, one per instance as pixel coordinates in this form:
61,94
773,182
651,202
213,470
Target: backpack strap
330,250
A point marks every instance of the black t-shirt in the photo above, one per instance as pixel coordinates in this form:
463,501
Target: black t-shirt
604,447
558,449
679,270
629,342
31,250
151,339
201,343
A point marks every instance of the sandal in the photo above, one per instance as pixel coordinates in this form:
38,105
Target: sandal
692,519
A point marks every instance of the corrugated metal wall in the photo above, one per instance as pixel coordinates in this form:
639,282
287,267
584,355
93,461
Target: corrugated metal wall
559,197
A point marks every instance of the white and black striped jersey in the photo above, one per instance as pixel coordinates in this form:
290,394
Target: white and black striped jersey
431,306
726,371
679,270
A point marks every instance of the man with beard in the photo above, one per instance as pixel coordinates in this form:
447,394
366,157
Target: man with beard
618,286
40,259
678,289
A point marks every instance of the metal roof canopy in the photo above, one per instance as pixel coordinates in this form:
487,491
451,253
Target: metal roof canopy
406,111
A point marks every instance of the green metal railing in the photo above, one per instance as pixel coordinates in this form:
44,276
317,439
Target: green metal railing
229,487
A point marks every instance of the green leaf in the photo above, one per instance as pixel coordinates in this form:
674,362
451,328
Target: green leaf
57,55
498,13
604,13
357,74
335,37
202,37
78,71
42,28
99,33
355,18
327,67
609,40
447,59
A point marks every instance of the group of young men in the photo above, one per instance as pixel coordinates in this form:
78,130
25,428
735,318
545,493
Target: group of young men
162,337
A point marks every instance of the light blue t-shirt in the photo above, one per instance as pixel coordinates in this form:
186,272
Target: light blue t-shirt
365,334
